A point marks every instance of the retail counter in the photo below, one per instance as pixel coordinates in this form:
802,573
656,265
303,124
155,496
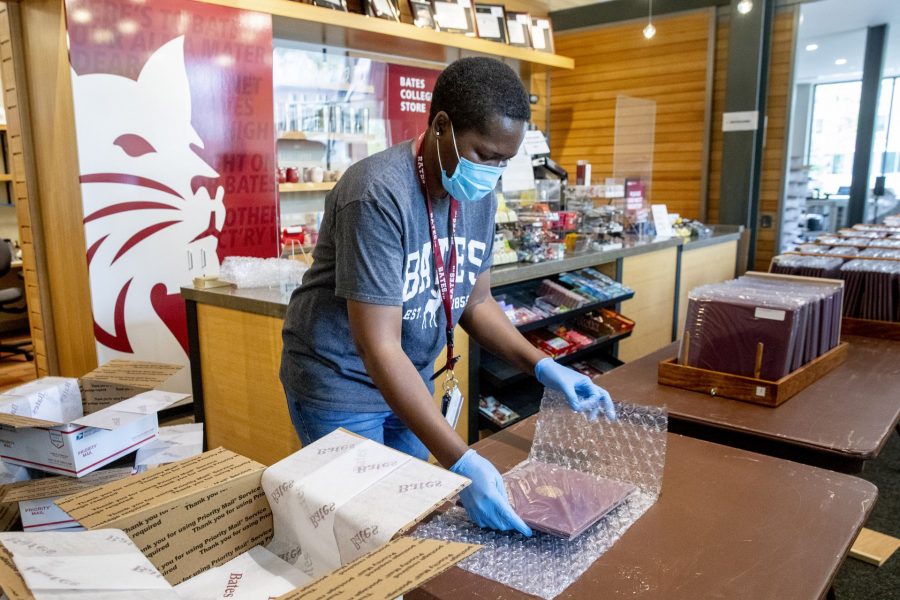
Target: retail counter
235,335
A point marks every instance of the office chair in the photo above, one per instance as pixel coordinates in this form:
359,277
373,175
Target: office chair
8,297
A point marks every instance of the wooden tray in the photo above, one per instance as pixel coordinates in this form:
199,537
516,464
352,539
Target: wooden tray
750,389
885,330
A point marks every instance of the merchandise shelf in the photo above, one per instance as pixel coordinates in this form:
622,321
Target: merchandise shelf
524,397
500,373
325,186
368,33
575,312
324,137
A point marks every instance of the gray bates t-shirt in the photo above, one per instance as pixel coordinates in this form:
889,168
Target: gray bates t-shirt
375,247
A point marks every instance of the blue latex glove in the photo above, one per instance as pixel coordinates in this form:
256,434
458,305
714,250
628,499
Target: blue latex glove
581,393
485,499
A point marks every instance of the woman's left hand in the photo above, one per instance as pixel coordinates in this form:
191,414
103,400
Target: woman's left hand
581,393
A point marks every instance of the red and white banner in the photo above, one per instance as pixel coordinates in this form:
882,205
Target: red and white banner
409,100
176,147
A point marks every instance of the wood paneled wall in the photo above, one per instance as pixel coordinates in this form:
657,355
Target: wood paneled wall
771,185
15,101
55,193
718,108
616,60
777,105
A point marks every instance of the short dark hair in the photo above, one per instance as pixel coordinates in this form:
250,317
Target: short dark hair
474,90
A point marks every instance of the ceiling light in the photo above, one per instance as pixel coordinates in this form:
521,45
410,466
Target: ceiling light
745,6
650,30
812,47
840,61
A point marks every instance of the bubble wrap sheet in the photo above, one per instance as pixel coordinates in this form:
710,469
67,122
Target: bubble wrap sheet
249,272
632,449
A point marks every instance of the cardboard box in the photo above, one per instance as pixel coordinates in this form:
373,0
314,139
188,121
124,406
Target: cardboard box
388,572
89,564
120,379
36,498
199,513
85,444
186,517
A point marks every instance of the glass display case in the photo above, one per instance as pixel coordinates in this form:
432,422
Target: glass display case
328,111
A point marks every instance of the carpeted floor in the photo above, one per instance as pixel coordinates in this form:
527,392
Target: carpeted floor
861,581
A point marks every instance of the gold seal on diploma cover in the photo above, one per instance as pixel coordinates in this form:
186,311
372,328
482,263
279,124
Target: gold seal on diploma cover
549,491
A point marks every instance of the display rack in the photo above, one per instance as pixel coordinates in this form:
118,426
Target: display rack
325,186
519,391
372,34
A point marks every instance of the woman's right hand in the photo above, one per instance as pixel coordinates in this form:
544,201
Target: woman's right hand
485,499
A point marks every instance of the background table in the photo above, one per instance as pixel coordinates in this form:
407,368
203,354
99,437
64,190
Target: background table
839,422
729,524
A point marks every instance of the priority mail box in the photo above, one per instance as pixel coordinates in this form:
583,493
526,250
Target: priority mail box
36,498
202,521
85,444
120,379
42,514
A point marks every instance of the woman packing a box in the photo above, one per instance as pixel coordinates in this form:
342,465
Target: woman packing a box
386,288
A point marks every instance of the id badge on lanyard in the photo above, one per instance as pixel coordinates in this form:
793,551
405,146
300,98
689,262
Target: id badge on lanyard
451,400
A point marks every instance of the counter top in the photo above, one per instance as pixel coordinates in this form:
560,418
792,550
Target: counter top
729,524
269,302
273,301
514,273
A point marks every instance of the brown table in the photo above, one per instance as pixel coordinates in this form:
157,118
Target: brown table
729,524
839,422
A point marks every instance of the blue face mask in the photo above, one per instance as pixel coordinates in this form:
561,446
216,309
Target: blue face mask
470,181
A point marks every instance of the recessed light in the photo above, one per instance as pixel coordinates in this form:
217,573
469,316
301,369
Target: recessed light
840,61
745,6
812,47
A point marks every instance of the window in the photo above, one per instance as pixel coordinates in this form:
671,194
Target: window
833,135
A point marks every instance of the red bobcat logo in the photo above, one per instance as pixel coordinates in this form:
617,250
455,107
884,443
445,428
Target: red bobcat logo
153,212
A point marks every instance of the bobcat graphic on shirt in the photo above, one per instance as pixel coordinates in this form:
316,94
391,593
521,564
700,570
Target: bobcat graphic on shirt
151,216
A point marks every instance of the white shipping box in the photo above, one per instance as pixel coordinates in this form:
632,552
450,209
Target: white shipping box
100,565
84,444
194,515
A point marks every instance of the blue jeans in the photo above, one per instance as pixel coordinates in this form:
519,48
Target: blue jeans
384,427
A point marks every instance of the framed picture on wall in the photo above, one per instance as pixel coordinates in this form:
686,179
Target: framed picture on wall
383,9
541,34
333,4
491,20
422,14
518,29
455,16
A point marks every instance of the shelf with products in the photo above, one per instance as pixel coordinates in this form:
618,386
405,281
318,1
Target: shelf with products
500,407
543,302
324,186
528,291
327,117
570,317
324,137
296,20
500,374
